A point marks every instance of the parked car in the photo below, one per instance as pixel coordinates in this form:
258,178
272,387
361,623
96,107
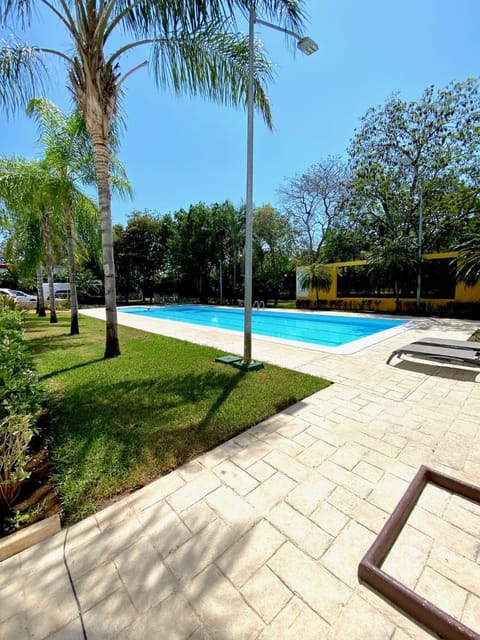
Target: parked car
21,296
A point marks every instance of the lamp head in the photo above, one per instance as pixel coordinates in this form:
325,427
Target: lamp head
307,45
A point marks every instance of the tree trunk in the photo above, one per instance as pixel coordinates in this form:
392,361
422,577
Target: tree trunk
74,328
101,159
40,297
398,305
49,264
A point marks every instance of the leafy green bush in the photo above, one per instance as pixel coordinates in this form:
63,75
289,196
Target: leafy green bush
16,433
6,302
20,398
10,320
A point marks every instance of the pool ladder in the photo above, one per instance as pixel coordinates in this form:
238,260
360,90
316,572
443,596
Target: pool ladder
259,305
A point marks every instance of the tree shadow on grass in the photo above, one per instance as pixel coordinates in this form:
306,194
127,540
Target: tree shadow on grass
118,436
81,365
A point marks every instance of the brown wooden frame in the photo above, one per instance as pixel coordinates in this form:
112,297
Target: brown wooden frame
407,600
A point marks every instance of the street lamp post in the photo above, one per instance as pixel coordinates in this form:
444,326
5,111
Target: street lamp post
307,46
419,242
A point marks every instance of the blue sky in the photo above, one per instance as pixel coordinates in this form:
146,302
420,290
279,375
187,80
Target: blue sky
180,150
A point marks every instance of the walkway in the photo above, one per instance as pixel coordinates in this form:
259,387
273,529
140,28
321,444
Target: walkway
261,537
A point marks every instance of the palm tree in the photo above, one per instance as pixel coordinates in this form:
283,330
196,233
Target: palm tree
68,153
468,260
30,198
36,199
193,50
394,261
317,277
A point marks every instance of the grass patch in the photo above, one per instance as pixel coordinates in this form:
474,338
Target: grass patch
126,421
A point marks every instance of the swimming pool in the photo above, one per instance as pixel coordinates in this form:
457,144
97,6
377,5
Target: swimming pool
326,330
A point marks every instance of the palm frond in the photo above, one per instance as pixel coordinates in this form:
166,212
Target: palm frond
213,63
20,11
22,70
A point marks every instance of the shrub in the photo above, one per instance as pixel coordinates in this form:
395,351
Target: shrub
6,302
16,433
19,401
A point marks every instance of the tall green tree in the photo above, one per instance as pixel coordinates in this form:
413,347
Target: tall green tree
420,153
193,49
141,253
273,251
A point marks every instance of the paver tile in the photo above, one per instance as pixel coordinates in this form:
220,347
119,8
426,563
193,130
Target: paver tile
223,611
316,586
307,495
344,500
443,593
449,535
316,454
235,477
265,593
329,518
359,620
15,627
388,492
368,471
163,527
408,556
370,516
296,620
172,619
146,578
300,530
94,586
270,492
72,631
260,470
289,466
109,616
198,516
155,491
250,552
346,479
193,491
456,567
346,551
233,509
471,613
201,550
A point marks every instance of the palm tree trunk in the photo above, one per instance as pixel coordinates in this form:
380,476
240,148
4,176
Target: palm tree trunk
101,160
74,328
40,297
49,264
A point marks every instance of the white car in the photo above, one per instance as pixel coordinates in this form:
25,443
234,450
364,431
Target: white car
7,292
21,296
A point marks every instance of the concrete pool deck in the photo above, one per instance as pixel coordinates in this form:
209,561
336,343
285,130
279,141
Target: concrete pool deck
261,537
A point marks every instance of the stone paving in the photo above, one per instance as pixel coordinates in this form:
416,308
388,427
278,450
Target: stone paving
261,537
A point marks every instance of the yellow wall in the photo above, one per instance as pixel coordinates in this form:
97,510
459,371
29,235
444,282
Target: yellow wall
328,299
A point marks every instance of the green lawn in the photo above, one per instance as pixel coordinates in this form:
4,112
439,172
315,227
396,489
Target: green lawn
125,421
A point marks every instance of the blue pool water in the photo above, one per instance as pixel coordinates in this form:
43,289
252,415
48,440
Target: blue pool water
326,330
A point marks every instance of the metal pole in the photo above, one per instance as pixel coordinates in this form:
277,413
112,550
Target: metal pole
420,239
247,339
221,282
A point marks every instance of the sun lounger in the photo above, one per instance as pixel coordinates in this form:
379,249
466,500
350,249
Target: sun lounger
447,342
439,353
